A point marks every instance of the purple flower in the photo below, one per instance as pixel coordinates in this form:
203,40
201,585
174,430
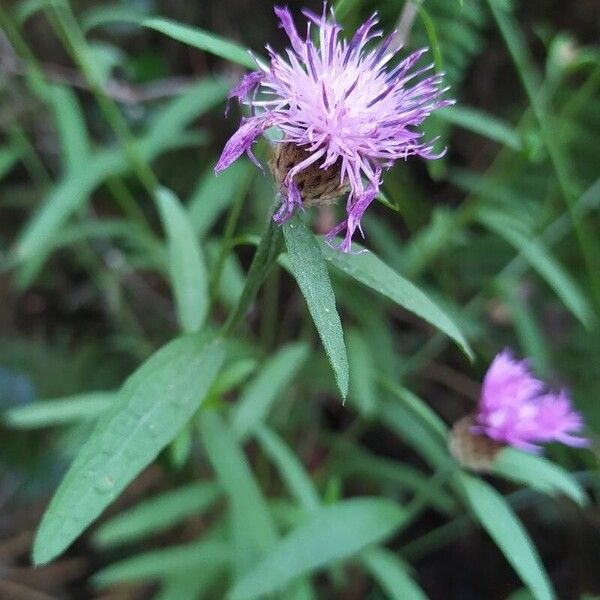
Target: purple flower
344,112
515,408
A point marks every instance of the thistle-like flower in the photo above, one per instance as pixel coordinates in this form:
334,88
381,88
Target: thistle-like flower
344,113
516,409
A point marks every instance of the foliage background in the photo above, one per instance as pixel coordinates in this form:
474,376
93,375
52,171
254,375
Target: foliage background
502,234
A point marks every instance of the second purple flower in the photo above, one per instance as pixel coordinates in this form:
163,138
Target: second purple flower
344,112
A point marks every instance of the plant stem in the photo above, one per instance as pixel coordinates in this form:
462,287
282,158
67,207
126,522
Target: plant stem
264,258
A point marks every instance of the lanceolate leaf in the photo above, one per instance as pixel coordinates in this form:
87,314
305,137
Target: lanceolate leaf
59,411
253,529
541,260
539,473
186,263
392,575
503,526
372,272
310,271
157,514
266,388
328,534
155,402
203,40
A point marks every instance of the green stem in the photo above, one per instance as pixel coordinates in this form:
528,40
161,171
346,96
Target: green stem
265,257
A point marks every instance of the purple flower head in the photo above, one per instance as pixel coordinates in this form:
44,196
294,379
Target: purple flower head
344,112
515,408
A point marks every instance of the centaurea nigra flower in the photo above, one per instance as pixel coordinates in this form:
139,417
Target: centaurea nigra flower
516,409
344,113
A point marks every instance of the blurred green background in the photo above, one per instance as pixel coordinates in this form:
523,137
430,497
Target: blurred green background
502,233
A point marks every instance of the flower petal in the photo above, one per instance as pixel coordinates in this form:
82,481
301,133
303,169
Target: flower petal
241,141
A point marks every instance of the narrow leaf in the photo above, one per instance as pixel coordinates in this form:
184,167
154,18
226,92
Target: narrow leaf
328,534
160,563
540,258
503,526
392,575
295,477
372,272
309,269
254,531
59,411
482,123
153,405
203,40
186,263
539,473
265,389
157,514
363,393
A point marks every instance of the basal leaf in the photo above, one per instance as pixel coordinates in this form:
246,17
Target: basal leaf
309,269
153,405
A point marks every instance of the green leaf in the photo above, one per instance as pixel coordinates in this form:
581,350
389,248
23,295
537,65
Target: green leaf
372,272
74,141
411,428
265,389
539,473
295,477
482,123
59,411
363,393
9,156
503,526
157,514
253,529
153,405
214,193
310,271
187,270
392,575
73,191
540,258
328,534
203,40
160,563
